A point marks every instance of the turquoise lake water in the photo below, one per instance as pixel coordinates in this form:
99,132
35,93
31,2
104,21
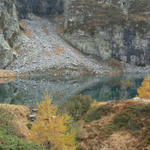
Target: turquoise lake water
102,88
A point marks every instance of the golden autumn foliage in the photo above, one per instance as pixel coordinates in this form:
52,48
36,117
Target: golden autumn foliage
144,90
51,129
94,104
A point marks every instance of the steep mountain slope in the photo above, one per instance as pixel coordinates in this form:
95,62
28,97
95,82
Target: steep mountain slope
110,29
44,51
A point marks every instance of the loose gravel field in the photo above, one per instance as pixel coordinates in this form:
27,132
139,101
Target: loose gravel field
43,51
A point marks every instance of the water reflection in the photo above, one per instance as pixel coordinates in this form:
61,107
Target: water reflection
29,91
115,88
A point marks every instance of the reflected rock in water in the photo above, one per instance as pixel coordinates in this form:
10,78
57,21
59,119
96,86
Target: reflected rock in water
30,90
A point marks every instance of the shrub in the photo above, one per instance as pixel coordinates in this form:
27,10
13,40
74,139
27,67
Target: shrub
94,104
121,120
77,106
96,114
12,142
132,117
144,90
29,125
52,129
6,120
140,109
80,148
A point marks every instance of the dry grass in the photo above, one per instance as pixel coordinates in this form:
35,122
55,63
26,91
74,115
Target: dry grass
126,83
59,95
121,140
25,30
57,71
115,63
92,136
138,18
19,52
45,29
59,29
113,73
20,119
95,135
7,74
47,53
57,49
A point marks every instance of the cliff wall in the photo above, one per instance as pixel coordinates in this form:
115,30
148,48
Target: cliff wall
9,32
110,29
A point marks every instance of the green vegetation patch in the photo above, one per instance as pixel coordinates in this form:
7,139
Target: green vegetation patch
96,114
132,117
135,119
127,120
11,142
77,106
79,148
6,120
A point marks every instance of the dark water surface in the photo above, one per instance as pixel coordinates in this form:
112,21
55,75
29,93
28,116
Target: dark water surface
30,90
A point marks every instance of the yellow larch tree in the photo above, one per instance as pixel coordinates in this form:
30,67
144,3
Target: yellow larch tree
52,129
144,90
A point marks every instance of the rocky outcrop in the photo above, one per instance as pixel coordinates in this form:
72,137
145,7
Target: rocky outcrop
39,7
6,55
9,32
45,52
110,29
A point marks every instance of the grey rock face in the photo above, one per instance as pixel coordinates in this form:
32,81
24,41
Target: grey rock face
122,43
6,55
39,7
105,28
9,32
110,29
